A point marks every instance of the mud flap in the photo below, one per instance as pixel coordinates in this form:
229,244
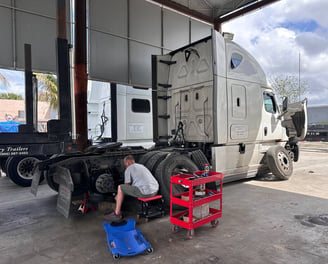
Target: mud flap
36,180
66,187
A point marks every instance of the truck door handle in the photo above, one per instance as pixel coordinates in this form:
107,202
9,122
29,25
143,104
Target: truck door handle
265,131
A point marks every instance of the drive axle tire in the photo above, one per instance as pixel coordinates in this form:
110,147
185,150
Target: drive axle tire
145,157
174,164
50,181
199,158
279,162
20,169
153,162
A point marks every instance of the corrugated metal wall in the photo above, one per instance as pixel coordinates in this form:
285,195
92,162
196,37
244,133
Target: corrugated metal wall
32,22
122,36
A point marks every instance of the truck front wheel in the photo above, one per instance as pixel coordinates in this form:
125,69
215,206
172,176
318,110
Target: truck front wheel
20,169
280,162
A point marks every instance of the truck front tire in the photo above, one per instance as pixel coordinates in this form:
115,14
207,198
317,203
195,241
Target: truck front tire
20,169
280,162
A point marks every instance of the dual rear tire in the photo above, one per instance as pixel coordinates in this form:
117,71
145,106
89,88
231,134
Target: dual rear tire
163,165
20,169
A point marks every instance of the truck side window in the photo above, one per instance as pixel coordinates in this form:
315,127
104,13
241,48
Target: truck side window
140,106
269,103
235,60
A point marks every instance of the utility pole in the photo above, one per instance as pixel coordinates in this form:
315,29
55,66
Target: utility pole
299,76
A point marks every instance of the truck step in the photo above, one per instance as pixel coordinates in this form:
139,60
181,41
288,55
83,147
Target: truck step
165,137
164,97
164,116
164,85
168,62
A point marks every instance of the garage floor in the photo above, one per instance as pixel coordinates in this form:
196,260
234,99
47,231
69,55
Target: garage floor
263,221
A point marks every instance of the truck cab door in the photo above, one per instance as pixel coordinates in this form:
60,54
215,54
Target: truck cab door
294,119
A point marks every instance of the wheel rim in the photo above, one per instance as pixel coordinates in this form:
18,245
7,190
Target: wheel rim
25,167
283,161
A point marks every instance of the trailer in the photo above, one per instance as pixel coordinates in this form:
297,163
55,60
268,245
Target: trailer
22,150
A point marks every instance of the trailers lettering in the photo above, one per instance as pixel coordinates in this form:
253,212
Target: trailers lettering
10,150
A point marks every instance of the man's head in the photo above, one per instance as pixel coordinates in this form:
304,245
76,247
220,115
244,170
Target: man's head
128,160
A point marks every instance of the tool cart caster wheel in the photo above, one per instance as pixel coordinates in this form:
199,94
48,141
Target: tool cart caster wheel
214,223
149,250
116,256
190,234
175,229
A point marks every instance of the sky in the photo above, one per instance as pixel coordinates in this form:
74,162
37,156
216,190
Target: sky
16,82
281,33
277,36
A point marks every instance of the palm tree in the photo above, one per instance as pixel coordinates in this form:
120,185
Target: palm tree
4,80
48,87
11,96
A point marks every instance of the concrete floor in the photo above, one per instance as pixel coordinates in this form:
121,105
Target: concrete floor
263,221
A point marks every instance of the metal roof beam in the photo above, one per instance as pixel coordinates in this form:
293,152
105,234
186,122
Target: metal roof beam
243,10
185,10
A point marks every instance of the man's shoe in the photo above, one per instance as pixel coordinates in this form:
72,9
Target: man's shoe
113,217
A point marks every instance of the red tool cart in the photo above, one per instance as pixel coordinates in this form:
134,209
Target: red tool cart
196,200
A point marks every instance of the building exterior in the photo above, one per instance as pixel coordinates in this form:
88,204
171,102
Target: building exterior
317,123
15,110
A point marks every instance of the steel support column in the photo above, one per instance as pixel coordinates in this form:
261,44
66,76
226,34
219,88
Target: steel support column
80,75
29,96
63,74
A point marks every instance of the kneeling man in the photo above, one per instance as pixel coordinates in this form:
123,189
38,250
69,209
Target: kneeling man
138,182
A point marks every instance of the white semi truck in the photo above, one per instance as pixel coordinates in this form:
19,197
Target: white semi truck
134,115
211,103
